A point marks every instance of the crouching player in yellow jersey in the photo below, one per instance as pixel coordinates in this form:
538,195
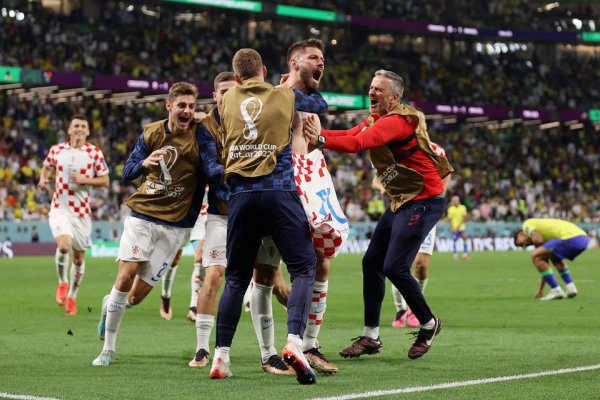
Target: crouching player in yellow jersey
555,240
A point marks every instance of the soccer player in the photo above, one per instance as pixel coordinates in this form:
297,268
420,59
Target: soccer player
78,165
555,240
411,173
329,226
216,228
420,266
256,121
163,209
457,215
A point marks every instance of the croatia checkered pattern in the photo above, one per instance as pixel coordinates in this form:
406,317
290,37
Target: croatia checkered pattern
329,225
319,299
87,160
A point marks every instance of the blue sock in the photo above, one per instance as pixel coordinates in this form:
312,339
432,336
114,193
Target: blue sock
565,274
549,278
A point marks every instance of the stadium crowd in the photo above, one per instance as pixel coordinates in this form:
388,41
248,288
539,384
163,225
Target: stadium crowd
175,49
557,181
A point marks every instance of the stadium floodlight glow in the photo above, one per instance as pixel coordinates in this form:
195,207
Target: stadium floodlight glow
590,36
255,6
309,13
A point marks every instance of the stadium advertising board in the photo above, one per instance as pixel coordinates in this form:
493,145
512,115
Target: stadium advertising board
9,249
62,79
123,83
463,109
309,13
595,114
10,74
340,100
534,113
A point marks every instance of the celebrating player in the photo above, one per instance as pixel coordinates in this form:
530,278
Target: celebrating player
78,164
164,207
256,120
329,226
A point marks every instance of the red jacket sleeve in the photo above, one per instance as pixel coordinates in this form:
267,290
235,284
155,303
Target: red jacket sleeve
394,127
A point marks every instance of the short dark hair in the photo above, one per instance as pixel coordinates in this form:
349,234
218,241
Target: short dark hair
224,76
247,63
303,45
182,89
516,236
80,116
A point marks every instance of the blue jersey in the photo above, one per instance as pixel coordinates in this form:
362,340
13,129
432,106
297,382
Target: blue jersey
213,168
282,177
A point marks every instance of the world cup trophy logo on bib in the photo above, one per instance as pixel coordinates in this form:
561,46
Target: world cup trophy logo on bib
166,163
250,109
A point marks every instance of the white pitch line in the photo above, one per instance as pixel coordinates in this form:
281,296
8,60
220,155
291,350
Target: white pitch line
24,397
450,385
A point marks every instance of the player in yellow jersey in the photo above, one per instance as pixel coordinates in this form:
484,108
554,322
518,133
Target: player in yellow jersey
554,241
457,215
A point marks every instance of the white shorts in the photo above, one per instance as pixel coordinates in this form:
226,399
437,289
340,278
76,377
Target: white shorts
428,243
79,229
214,245
153,245
199,230
268,253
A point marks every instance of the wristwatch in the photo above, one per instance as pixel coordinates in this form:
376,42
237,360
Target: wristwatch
321,140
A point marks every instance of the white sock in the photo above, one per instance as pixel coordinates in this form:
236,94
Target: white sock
262,319
399,301
423,284
318,305
167,283
204,325
248,295
295,339
372,332
429,325
196,283
115,311
222,353
77,273
62,262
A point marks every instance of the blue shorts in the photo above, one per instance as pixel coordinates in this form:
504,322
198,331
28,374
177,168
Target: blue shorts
569,248
457,235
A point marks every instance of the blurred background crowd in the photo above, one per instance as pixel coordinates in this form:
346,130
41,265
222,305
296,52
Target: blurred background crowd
503,173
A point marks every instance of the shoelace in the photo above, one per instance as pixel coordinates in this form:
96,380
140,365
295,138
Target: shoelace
201,354
276,362
316,352
421,335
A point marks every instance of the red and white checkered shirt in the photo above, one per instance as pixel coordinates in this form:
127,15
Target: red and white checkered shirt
87,160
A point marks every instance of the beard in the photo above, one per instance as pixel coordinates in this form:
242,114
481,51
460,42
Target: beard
307,79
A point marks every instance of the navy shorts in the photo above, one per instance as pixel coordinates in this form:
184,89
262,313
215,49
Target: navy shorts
568,248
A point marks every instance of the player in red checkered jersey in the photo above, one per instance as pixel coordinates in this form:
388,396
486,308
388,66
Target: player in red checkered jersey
79,165
329,225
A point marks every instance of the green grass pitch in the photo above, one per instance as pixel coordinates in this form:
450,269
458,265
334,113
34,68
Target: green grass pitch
492,327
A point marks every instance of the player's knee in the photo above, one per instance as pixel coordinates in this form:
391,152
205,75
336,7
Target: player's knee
390,269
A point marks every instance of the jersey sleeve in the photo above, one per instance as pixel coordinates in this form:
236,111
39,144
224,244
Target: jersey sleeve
50,160
100,166
133,166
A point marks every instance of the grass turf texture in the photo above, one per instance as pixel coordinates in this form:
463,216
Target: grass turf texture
492,327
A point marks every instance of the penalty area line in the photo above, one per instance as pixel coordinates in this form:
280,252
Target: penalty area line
451,385
24,397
